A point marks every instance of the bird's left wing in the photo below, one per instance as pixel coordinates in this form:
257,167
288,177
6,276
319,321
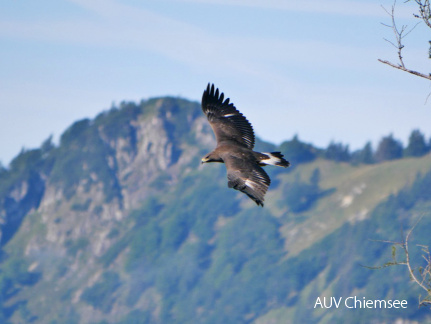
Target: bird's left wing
226,121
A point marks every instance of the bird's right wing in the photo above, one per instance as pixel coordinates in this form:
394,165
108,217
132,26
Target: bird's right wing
247,177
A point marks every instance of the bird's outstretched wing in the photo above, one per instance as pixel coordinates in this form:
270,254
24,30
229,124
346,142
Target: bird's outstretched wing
226,121
247,177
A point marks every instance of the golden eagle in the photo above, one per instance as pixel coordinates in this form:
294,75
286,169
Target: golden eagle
235,141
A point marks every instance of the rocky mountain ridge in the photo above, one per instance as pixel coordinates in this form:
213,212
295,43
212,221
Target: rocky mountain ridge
119,223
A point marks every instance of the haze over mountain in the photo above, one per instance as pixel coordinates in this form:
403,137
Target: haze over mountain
120,223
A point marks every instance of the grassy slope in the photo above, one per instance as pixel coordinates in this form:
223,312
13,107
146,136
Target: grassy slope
358,191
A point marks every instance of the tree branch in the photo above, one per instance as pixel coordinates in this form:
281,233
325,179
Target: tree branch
424,11
413,276
403,68
421,275
401,33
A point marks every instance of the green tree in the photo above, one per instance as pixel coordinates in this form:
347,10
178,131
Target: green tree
300,196
47,146
100,294
297,151
364,155
417,145
315,178
337,152
389,149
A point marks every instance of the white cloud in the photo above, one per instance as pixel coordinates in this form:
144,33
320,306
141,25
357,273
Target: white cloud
337,7
119,25
116,25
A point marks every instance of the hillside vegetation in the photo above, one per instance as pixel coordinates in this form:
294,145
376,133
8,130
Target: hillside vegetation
120,223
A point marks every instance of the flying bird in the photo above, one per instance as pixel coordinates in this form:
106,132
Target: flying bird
235,142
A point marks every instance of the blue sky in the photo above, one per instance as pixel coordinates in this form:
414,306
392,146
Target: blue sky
292,67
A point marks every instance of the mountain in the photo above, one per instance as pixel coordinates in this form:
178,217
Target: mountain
120,223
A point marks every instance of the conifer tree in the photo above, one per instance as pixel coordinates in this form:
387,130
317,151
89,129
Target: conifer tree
297,151
337,152
389,149
364,155
416,145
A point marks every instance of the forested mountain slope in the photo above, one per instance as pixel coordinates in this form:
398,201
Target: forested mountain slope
120,223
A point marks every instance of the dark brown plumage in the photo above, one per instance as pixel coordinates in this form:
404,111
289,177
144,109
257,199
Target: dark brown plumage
235,142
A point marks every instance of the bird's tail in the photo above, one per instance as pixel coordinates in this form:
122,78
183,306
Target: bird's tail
273,158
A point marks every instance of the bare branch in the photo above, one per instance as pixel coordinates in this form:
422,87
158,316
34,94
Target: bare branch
424,11
421,275
401,33
406,250
403,68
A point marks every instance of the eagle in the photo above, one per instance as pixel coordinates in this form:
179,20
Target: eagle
235,142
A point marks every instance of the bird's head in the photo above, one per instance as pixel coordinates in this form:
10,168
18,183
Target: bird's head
206,159
211,157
